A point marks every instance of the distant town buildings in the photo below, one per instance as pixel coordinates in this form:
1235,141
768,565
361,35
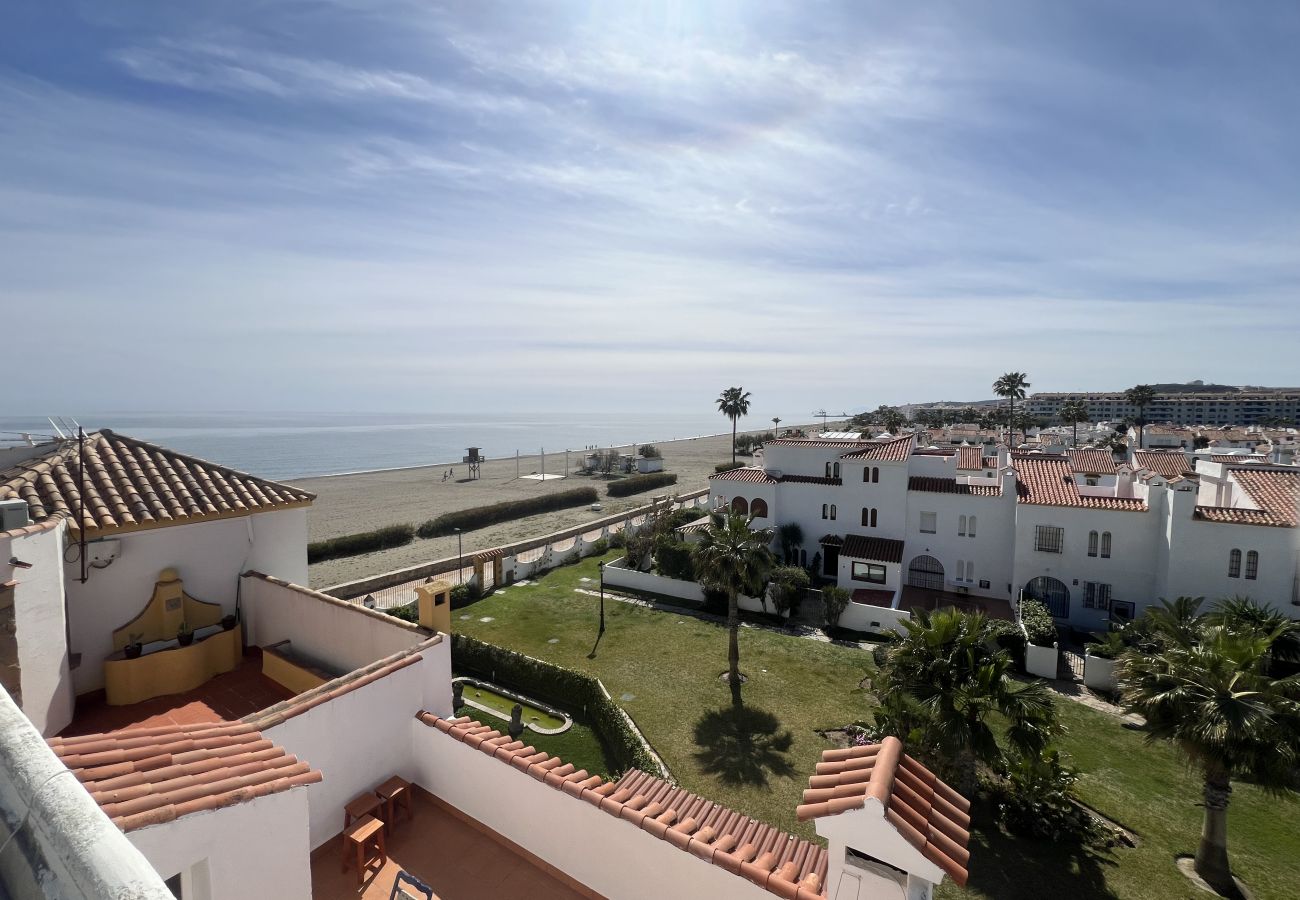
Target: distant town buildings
1184,406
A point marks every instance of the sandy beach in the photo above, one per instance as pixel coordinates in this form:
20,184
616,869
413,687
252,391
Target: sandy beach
351,503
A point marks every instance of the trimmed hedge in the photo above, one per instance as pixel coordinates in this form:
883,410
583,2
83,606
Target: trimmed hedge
727,467
362,542
578,694
638,483
1038,622
483,516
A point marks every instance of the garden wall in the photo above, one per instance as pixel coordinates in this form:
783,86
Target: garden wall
618,575
864,617
1042,661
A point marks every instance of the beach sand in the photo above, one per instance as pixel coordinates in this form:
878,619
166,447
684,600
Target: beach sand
350,503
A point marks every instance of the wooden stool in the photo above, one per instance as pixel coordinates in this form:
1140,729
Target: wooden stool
358,838
364,805
395,792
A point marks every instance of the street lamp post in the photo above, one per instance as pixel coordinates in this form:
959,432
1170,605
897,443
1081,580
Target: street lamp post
602,597
460,558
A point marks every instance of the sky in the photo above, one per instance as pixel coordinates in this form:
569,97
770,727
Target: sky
362,205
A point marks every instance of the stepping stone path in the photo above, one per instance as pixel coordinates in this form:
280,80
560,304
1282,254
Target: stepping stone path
486,619
553,641
627,697
465,618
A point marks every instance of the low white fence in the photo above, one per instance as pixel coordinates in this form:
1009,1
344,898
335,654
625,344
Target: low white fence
864,617
1042,661
618,575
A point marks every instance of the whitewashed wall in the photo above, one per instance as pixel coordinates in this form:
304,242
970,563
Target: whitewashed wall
862,617
208,556
618,576
254,849
612,857
47,696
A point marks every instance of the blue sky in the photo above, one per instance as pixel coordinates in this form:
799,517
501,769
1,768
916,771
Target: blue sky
388,206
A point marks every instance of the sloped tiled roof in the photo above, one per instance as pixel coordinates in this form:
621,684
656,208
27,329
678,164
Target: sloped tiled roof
1168,464
876,549
1236,459
748,473
1091,462
147,776
1275,492
895,450
931,816
775,860
132,484
811,479
873,597
1046,479
970,458
815,442
933,485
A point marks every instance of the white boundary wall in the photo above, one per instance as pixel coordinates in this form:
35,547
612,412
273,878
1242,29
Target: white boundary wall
1099,673
254,849
40,625
1042,661
864,617
618,576
610,856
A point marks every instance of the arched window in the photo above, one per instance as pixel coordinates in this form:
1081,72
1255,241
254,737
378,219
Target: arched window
825,511
925,572
836,471
970,570
961,529
866,517
740,506
875,474
1252,565
1092,543
970,527
1105,545
873,517
961,569
758,509
832,510
1234,564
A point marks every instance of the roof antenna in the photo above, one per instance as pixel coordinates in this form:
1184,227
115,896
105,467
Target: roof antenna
56,428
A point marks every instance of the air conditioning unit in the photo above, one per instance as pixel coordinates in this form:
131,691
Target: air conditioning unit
14,514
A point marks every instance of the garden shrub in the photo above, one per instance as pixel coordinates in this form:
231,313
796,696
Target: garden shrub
482,516
408,613
673,557
638,483
1038,623
788,586
362,542
727,467
649,451
465,593
1008,636
576,693
617,540
684,516
1036,799
600,547
834,601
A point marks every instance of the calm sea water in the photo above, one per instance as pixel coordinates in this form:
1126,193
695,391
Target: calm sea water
295,445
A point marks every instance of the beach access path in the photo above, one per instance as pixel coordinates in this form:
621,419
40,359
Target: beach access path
346,504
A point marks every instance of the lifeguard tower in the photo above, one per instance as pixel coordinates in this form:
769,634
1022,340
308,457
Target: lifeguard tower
473,459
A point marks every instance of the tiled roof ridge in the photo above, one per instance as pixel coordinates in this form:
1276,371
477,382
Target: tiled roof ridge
1275,491
870,547
281,712
926,812
1091,461
777,861
895,450
934,484
745,473
151,775
1046,479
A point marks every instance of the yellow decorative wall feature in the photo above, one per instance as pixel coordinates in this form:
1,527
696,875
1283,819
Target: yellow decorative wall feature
173,670
435,606
162,616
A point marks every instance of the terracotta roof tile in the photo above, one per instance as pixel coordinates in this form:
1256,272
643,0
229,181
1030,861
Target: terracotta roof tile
933,485
970,458
132,484
810,479
748,473
894,450
1167,464
773,859
1236,459
816,442
1047,479
146,776
873,597
1276,493
930,815
1091,462
876,549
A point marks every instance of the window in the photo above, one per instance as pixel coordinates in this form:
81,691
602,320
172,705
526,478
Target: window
869,572
866,517
875,475
1090,481
832,511
970,570
836,471
1252,565
825,511
1105,545
970,527
1096,595
1049,538
929,522
873,517
1234,564
758,509
1092,543
740,506
828,470
961,567
961,526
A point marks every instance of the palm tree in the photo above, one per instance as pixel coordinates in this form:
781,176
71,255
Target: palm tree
1211,696
791,537
943,680
1072,413
733,558
776,426
1140,396
734,403
1012,386
893,419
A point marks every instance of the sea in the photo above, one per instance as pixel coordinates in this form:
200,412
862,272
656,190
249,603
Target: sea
290,445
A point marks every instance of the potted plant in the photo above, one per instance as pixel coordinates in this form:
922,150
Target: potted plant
133,647
185,634
228,621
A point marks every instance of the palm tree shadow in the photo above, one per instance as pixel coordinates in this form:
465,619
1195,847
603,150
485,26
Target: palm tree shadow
743,745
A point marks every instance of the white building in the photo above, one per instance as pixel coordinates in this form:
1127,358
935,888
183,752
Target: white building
906,527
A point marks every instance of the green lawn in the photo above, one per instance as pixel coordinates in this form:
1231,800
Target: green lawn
670,664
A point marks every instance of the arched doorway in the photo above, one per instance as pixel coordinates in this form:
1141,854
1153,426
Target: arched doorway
740,506
925,572
1052,593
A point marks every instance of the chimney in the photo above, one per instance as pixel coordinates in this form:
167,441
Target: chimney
435,606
